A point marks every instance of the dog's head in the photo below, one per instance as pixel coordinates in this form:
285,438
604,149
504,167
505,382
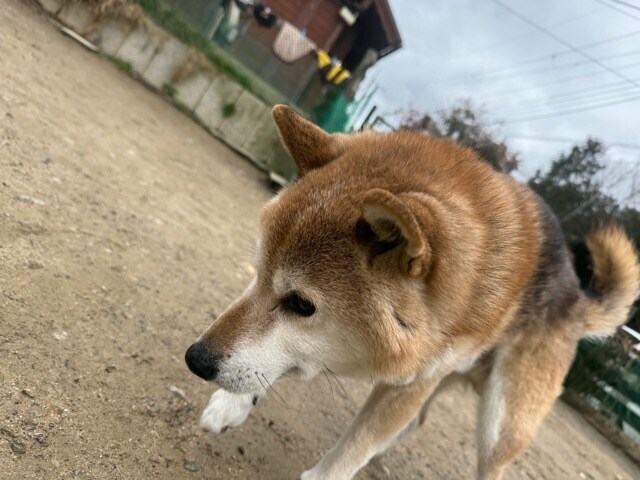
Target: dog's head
341,269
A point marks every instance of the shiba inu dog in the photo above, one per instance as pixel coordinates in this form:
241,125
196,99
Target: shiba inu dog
407,260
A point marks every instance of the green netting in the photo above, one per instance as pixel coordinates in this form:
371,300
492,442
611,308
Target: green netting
607,374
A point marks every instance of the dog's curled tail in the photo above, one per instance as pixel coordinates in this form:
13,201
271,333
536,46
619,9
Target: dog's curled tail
616,280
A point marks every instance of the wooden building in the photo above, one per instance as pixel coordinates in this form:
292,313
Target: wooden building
353,33
374,30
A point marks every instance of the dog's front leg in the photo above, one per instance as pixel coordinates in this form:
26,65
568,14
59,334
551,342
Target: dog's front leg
227,410
388,410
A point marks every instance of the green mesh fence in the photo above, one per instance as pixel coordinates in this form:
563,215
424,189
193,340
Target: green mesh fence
607,375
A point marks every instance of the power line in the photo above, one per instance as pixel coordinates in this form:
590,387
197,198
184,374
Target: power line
614,86
564,42
583,108
591,200
563,99
626,4
606,86
560,81
573,102
542,138
563,21
488,78
618,9
545,109
542,58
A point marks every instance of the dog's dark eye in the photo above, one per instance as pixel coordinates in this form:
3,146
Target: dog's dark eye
296,304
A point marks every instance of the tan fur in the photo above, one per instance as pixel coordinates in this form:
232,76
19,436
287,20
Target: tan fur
616,277
423,265
380,207
304,139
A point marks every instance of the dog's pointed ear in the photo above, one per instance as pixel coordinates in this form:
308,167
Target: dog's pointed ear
309,145
399,223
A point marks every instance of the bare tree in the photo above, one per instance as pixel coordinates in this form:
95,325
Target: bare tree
465,125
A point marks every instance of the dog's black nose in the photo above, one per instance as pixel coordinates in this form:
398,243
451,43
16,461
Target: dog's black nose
201,362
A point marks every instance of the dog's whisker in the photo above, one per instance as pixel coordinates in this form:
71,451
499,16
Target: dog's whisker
275,391
269,393
330,386
249,245
335,375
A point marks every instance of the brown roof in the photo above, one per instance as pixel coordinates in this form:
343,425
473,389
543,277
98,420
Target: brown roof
389,26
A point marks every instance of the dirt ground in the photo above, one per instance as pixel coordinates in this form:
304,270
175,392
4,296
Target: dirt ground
124,229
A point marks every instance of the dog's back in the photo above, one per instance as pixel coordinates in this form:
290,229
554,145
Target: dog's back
406,260
501,276
509,249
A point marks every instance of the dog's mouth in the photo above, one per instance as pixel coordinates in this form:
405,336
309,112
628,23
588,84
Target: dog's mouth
250,380
255,380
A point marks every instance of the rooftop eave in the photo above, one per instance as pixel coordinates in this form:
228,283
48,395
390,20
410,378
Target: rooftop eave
389,26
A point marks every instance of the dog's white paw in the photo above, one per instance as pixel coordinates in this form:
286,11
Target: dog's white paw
308,475
315,474
326,470
226,410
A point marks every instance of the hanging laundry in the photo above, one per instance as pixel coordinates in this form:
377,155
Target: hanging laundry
292,44
323,58
336,67
341,77
264,16
331,69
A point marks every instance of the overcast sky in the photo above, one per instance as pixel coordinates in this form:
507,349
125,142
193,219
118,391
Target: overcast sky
476,49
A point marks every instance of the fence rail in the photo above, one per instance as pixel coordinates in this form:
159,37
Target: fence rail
607,376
